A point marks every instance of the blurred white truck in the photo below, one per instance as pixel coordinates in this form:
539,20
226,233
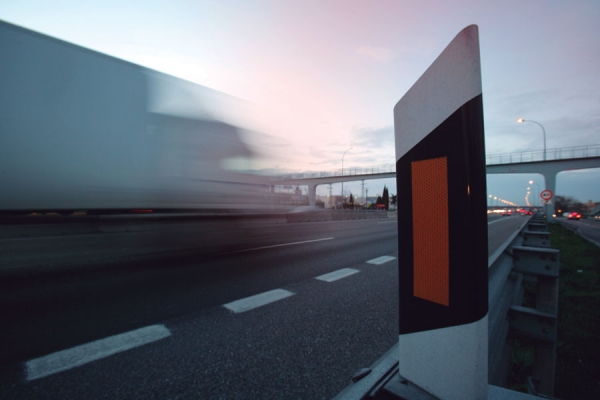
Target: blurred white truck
80,130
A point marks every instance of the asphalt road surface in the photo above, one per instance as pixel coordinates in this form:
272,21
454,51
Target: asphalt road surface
588,228
281,311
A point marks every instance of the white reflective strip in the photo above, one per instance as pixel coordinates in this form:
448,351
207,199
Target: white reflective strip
449,362
452,80
339,274
259,300
85,353
381,260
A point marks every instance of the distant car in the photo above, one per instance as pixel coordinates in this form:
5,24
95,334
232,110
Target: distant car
575,215
597,217
507,212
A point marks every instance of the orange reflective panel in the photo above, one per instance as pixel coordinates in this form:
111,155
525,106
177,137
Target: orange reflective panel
430,230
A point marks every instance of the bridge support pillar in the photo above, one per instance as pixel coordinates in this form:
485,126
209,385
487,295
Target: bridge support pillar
550,183
312,195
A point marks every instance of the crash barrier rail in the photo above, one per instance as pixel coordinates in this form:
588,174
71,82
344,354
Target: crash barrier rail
570,227
527,265
548,155
524,263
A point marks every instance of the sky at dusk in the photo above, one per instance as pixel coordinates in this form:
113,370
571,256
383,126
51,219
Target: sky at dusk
318,77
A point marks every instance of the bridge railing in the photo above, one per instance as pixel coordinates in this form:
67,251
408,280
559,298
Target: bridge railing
379,169
538,155
491,159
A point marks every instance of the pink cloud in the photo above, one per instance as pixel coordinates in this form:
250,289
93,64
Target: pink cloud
380,54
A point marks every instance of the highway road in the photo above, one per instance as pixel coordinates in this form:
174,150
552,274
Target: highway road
588,228
280,311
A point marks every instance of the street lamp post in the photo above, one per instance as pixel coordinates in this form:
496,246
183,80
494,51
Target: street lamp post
538,191
520,120
343,171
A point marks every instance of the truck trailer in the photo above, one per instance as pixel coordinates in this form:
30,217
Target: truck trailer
84,131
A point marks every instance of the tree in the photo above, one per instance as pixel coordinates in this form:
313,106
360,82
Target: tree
567,204
386,197
351,199
393,199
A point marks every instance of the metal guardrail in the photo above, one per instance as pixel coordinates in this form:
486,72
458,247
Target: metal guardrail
524,258
538,155
528,259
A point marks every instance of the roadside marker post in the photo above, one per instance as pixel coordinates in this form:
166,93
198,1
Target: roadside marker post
442,236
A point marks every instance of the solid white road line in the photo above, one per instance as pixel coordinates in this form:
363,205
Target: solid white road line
259,300
381,260
85,353
279,245
339,274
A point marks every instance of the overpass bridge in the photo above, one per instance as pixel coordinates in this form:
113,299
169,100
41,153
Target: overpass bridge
548,164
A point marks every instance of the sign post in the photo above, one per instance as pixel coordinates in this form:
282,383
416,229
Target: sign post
442,236
546,196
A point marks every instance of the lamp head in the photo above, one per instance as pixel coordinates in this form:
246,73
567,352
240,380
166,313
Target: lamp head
520,120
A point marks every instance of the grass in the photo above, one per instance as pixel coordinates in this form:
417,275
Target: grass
578,346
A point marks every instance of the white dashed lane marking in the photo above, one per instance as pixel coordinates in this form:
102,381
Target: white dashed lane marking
76,356
381,260
259,300
339,274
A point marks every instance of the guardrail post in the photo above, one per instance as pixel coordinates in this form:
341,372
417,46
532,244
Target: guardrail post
539,323
537,227
536,239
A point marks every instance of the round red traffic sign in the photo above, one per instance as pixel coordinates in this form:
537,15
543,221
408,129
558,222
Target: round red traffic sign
546,194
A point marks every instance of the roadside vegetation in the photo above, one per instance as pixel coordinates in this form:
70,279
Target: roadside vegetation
578,346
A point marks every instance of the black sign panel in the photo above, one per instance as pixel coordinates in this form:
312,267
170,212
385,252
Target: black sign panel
442,225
